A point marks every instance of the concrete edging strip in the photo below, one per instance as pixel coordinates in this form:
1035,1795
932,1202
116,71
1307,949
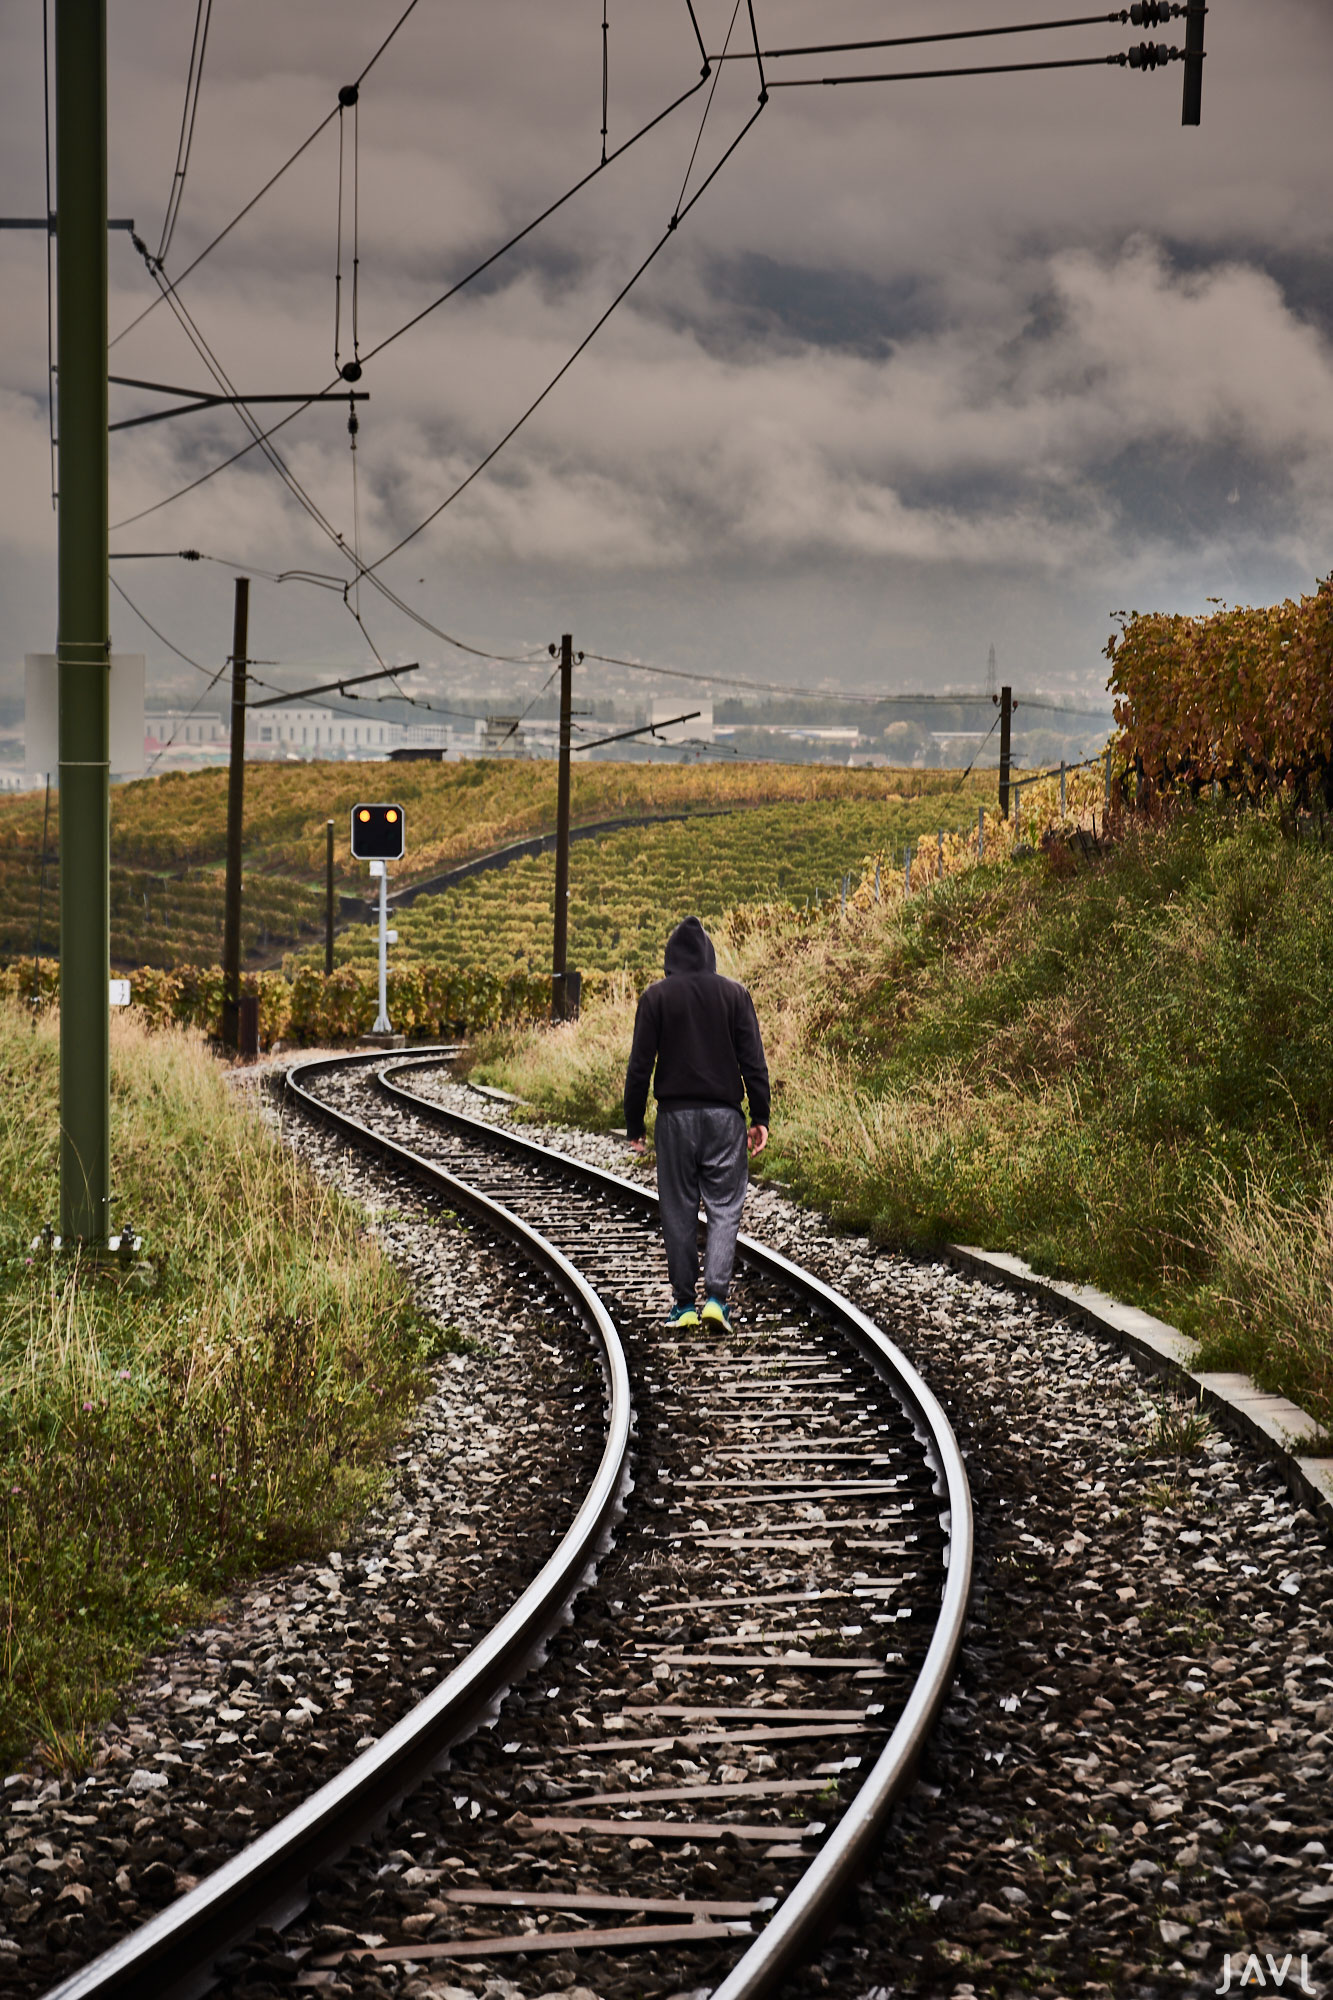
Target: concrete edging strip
1281,1430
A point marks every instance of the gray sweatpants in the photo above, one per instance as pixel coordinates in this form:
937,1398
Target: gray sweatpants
701,1154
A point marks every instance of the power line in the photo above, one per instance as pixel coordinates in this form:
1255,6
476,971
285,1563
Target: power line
50,327
677,218
194,78
708,105
185,720
273,179
180,493
979,69
694,23
325,580
170,644
416,319
939,35
758,57
828,694
616,153
605,76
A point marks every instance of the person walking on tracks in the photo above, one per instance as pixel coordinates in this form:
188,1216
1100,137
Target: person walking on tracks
702,1033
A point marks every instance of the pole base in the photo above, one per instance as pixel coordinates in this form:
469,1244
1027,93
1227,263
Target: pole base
381,1038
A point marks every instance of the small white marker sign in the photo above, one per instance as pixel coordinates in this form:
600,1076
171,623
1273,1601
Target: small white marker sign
120,993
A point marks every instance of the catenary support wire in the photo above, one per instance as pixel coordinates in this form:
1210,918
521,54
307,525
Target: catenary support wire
184,145
708,105
758,54
170,644
273,179
1119,60
677,218
477,271
936,35
605,30
50,251
694,23
616,153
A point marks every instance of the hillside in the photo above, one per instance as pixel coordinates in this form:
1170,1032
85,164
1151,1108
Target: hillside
168,837
1120,1068
624,886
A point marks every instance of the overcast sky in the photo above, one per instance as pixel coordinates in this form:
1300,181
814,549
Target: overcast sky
929,365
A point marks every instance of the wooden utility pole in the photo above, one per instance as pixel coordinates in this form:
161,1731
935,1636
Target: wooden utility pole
231,918
83,631
1006,718
328,896
560,948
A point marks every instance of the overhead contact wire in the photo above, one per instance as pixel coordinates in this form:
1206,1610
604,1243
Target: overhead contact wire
926,75
272,181
170,644
356,228
605,30
338,259
50,318
708,105
694,23
203,15
758,56
678,217
616,153
939,35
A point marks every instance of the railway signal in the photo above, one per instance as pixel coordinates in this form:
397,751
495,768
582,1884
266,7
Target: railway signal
379,835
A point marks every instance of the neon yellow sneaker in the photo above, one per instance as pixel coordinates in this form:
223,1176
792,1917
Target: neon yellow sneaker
683,1316
716,1314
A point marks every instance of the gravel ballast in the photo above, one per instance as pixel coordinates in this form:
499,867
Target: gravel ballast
1131,1785
237,1722
1129,1790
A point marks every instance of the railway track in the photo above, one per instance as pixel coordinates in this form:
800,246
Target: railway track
743,1638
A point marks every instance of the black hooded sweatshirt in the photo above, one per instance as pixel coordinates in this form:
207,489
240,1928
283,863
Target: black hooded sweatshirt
702,1032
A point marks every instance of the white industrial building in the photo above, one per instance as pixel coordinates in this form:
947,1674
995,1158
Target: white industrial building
316,732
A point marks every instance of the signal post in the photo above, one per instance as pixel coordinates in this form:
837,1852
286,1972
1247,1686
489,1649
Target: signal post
379,836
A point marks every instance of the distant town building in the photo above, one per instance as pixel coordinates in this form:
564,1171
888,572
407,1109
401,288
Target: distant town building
299,731
182,726
502,737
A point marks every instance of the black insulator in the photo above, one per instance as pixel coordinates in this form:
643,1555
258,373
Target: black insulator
353,424
350,371
348,95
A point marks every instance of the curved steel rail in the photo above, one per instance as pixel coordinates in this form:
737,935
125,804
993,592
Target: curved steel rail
173,1952
798,1921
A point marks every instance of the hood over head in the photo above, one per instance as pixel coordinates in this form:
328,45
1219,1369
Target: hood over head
690,949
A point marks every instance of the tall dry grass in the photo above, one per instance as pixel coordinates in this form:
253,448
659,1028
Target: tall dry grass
1065,1057
165,1430
1274,1280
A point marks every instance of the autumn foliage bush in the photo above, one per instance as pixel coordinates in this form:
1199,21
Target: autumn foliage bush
1243,698
431,1001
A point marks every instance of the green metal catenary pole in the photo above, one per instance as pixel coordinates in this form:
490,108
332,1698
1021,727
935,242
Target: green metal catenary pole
1006,719
231,905
83,639
328,896
559,952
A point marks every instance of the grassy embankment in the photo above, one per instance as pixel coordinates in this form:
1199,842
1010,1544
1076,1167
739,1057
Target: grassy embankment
157,1444
1121,1069
168,837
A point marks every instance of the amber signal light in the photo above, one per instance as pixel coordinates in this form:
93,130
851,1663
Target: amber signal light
378,832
